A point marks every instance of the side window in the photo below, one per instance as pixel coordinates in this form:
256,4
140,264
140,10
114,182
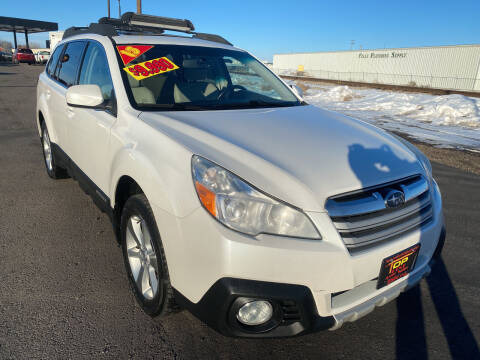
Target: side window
95,70
70,62
53,60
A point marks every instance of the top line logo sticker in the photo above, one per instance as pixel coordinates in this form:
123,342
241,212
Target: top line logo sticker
131,52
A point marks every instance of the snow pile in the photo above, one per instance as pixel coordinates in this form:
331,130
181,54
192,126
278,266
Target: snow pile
446,120
338,93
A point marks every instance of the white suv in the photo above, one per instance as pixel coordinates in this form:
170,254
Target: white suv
231,197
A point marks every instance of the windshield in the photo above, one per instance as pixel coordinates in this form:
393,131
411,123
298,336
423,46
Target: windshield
199,78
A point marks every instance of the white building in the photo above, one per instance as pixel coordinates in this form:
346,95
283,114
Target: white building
444,67
55,38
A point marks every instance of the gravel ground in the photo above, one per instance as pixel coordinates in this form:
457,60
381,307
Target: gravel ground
64,291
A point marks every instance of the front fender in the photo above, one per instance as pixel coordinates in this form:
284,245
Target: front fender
165,182
42,108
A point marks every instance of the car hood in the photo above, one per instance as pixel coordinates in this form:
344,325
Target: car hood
301,154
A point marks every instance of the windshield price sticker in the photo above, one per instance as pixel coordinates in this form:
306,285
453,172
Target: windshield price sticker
129,53
150,68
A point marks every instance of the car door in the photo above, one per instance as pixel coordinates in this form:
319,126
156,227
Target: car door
54,95
89,129
64,76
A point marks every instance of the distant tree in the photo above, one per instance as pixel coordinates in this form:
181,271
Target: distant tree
32,44
6,45
36,45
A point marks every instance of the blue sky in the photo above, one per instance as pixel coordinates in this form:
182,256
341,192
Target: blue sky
269,27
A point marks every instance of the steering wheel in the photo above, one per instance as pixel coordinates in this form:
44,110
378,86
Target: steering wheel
226,92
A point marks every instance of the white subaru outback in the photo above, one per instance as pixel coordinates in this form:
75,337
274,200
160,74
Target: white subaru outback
231,197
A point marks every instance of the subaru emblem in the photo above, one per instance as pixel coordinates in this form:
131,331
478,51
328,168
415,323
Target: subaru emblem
394,199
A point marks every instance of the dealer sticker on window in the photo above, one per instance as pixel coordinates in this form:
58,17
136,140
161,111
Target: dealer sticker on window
129,53
150,68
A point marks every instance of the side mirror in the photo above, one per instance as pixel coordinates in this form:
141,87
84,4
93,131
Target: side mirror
297,90
86,96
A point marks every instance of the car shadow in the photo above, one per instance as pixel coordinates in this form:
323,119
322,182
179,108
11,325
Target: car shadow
410,339
411,342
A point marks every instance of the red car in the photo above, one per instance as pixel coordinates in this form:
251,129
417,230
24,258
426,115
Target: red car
23,56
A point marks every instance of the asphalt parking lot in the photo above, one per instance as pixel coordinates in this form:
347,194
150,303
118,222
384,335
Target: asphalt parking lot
64,291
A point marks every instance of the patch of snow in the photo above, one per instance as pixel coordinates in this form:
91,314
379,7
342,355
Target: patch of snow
442,120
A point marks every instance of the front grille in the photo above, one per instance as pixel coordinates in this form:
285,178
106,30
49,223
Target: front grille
363,219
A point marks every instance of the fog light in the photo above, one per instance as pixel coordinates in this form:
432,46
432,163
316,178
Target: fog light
255,313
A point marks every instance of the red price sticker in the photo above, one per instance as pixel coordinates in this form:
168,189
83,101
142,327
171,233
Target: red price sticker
150,68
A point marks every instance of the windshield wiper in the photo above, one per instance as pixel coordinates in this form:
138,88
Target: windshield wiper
255,104
177,106
252,104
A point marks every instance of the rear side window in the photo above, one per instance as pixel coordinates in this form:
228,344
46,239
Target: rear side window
70,62
95,70
53,60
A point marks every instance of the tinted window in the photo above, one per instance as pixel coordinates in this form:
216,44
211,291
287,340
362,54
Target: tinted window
53,60
25,51
70,61
95,69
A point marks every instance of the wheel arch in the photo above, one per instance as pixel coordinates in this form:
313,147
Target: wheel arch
126,187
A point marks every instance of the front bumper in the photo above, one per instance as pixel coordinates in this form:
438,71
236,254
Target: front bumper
340,286
295,311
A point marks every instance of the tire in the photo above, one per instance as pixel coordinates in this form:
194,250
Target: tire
144,258
53,170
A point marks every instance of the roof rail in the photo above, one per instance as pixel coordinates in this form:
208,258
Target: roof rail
131,22
212,37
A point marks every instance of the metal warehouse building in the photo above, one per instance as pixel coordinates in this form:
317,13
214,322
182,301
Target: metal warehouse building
443,67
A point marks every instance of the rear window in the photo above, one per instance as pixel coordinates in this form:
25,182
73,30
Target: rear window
25,51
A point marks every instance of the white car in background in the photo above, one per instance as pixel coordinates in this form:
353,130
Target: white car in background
42,57
232,197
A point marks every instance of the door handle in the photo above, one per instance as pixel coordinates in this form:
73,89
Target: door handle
48,94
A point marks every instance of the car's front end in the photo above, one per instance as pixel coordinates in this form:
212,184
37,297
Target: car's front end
298,237
310,284
281,218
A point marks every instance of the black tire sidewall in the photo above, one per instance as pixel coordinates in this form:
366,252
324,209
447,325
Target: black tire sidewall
138,205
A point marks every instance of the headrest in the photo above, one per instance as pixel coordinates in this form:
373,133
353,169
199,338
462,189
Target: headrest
134,83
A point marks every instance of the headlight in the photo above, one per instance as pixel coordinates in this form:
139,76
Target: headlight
243,208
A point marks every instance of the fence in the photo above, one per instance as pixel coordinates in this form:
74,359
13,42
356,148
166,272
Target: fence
434,82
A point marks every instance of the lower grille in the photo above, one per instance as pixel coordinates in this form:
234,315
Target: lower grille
363,218
290,311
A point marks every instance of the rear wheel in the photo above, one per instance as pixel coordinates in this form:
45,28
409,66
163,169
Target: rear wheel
144,258
54,171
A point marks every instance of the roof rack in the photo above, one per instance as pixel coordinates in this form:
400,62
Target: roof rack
140,23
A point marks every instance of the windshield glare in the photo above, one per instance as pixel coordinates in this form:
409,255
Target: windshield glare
200,78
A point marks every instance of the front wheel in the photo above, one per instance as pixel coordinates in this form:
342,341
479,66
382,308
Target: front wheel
144,258
54,171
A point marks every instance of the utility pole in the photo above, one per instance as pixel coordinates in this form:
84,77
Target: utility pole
139,6
108,2
352,43
119,10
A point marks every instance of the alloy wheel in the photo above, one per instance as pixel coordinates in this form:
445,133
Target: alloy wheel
142,257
